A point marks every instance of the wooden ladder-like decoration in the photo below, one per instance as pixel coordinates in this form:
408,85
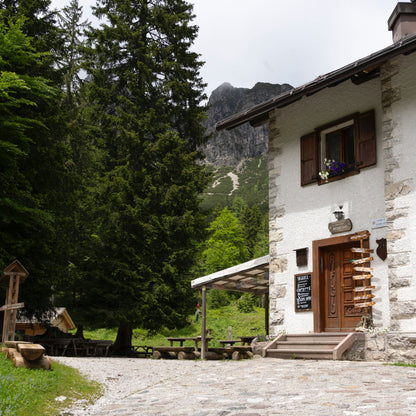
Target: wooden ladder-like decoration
363,297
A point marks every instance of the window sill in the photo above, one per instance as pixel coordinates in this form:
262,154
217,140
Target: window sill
338,177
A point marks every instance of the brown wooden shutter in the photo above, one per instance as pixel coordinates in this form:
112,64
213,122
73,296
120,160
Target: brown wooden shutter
365,140
308,159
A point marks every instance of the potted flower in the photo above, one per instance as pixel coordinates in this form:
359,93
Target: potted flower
332,168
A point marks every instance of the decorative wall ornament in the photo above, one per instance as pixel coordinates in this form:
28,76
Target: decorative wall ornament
381,250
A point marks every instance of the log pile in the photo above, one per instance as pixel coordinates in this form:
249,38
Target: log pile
26,354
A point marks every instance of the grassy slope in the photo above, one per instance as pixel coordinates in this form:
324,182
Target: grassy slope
27,392
218,321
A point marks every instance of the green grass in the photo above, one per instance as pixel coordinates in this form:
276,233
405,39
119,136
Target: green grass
26,392
218,321
403,365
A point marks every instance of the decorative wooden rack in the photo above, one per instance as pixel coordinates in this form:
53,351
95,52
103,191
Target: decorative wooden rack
362,272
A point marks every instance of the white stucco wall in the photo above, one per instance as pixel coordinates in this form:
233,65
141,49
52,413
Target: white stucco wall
306,211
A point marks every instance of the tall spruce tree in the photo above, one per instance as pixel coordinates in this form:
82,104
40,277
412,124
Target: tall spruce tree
145,95
26,222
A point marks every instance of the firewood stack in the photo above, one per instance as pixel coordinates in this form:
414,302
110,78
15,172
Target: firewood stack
26,354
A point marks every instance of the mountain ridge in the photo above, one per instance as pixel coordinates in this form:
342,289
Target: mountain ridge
231,147
238,157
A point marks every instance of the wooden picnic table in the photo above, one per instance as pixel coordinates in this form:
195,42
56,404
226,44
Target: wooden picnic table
245,340
226,342
181,340
142,350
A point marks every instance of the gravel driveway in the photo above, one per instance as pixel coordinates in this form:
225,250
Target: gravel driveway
256,387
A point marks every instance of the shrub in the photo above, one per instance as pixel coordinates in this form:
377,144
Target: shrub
218,298
246,303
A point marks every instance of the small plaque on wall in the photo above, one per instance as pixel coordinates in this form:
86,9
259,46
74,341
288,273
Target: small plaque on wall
340,226
303,292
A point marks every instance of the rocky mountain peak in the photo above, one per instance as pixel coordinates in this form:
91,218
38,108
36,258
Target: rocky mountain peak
228,148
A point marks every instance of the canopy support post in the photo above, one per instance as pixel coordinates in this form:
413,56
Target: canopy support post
266,312
204,322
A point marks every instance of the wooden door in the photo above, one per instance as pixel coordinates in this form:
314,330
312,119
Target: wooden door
338,289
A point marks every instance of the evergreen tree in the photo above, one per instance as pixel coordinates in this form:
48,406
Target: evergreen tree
26,223
261,247
70,59
39,24
145,95
251,220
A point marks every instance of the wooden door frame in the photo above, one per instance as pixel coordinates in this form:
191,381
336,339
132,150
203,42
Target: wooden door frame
317,298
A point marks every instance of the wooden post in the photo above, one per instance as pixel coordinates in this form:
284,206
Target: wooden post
266,313
230,333
16,273
204,323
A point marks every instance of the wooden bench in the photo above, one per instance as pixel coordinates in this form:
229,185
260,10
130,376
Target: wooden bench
228,342
171,352
245,340
181,340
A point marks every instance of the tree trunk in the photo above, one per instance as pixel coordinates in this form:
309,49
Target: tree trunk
122,345
80,332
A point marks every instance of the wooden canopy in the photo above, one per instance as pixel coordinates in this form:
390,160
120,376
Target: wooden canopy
251,276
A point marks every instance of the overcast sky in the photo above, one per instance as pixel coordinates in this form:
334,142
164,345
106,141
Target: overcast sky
282,41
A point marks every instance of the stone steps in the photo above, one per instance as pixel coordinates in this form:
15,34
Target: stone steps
320,346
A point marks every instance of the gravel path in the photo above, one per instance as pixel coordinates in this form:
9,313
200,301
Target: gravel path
258,387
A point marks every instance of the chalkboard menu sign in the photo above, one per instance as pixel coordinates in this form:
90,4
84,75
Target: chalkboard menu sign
303,292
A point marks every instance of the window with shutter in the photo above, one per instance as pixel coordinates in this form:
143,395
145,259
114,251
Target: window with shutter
309,158
350,143
365,139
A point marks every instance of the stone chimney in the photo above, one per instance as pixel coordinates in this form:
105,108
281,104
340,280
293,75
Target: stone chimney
403,20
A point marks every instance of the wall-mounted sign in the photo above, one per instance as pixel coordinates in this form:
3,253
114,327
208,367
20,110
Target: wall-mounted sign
378,223
303,292
340,226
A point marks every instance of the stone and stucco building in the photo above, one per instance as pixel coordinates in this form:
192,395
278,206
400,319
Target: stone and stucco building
363,115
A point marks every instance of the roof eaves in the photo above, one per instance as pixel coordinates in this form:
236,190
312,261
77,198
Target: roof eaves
260,111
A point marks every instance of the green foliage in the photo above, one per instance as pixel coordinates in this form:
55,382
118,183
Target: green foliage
27,392
32,158
239,206
250,220
217,298
403,365
246,303
226,246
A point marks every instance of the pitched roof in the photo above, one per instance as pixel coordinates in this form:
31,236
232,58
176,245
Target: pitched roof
358,71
